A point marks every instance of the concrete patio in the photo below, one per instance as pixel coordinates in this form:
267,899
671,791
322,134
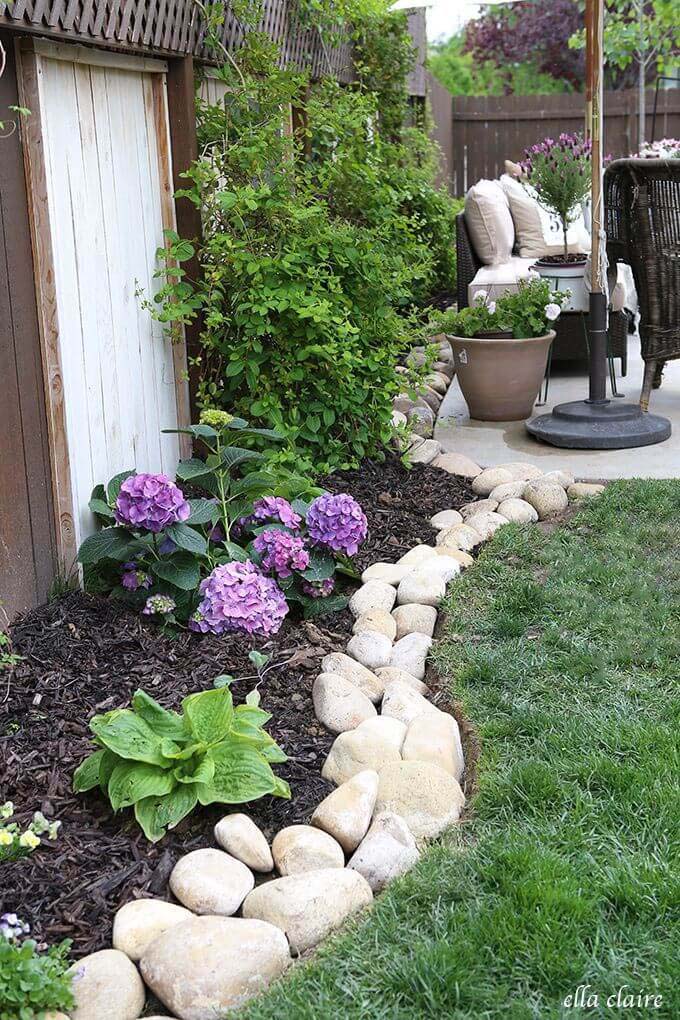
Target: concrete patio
490,443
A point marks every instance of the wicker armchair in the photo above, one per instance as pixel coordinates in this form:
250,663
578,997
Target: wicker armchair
642,217
570,342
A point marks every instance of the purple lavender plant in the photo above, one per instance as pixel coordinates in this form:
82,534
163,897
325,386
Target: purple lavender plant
150,503
337,523
281,552
559,173
237,597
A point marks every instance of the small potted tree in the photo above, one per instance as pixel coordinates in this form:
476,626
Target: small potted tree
500,348
557,173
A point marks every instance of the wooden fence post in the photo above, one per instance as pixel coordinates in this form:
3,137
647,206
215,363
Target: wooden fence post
184,145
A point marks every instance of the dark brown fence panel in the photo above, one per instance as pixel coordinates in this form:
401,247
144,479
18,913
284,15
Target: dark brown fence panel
27,544
487,130
173,27
441,102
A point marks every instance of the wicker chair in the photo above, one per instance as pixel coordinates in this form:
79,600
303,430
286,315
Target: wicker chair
570,341
642,216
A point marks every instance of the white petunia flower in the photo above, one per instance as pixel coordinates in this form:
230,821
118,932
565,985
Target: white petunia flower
552,312
491,306
533,275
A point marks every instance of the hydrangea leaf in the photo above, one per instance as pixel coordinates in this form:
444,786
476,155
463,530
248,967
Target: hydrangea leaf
132,781
181,569
322,607
86,776
187,538
157,814
209,714
128,736
192,468
108,544
113,488
164,723
321,567
241,774
202,511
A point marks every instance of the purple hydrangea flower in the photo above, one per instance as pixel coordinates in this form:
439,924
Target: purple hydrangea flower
275,508
132,580
159,605
150,502
319,589
337,522
237,597
281,552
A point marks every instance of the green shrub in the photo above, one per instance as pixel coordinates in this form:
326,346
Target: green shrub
163,764
31,982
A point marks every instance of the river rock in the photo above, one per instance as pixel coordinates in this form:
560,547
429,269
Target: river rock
139,922
460,536
390,673
445,519
487,524
445,368
522,471
387,851
421,419
436,739
427,451
212,965
427,798
583,490
457,464
299,848
372,595
563,478
418,555
106,986
433,400
310,906
486,482
384,728
377,620
547,498
388,573
438,381
414,618
458,555
211,882
345,814
403,703
443,566
363,678
423,586
356,751
509,490
239,836
339,704
370,648
518,511
480,507
410,653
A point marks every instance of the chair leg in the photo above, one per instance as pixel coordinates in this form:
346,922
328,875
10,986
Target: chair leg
650,372
624,364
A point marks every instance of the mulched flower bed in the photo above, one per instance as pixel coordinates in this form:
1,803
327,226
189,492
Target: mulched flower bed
83,654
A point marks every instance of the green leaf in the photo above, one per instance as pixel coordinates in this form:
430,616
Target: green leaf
273,753
322,607
236,552
187,538
198,431
223,680
201,511
101,508
164,723
201,773
108,544
241,774
321,567
128,736
281,788
253,715
86,776
192,468
210,714
132,781
113,488
157,814
181,569
233,455
259,659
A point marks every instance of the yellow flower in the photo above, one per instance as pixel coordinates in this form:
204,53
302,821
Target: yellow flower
6,838
29,839
6,809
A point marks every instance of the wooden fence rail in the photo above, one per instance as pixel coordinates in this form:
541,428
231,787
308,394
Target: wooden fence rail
487,130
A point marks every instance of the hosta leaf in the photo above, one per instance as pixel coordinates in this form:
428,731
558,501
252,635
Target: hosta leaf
176,753
281,788
273,753
241,774
201,773
157,814
251,714
181,569
128,736
162,722
209,714
132,781
110,543
187,538
86,776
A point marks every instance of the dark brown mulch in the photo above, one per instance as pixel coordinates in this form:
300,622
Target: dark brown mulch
83,654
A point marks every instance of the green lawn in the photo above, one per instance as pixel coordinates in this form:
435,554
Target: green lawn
565,650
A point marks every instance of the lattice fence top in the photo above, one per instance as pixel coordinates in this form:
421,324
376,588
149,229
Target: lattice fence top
173,27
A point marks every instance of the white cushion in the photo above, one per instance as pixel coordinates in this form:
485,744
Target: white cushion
500,279
489,223
538,231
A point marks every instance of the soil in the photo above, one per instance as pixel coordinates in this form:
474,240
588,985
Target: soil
84,654
570,259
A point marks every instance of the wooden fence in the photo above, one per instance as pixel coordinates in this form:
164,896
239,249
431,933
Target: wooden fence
487,130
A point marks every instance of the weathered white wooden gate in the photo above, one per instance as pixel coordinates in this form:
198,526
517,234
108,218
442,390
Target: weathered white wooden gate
100,178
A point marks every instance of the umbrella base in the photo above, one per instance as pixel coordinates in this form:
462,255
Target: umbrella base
600,425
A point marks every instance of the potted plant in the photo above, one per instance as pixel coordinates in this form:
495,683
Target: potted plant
557,174
500,348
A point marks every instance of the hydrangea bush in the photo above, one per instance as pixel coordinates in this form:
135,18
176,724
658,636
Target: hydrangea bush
219,550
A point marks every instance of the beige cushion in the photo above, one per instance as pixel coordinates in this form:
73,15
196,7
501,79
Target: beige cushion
503,279
488,219
513,169
538,231
500,279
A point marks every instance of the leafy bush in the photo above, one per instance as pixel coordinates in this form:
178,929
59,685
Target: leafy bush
231,559
32,982
529,312
163,764
15,843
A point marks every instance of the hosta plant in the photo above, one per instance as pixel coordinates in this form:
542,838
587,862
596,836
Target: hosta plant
163,763
33,981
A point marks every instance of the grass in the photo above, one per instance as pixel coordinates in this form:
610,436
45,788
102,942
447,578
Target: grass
565,650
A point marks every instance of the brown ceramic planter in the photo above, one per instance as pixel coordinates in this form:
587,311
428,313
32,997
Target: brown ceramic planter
500,378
